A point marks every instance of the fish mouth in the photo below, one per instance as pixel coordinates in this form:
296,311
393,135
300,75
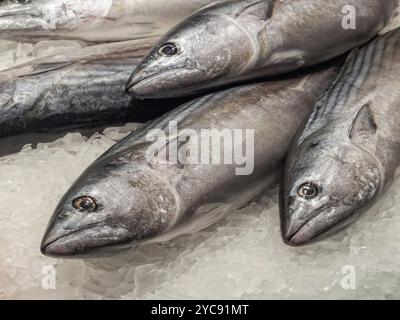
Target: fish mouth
142,86
93,241
326,221
302,236
308,232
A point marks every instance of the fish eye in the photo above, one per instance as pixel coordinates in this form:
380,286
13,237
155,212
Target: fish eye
22,1
308,190
168,49
86,204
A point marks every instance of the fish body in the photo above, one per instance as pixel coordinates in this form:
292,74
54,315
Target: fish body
344,159
126,198
75,89
236,41
91,20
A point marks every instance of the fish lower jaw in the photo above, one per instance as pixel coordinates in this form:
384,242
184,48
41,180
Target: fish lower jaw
303,235
139,86
296,240
152,86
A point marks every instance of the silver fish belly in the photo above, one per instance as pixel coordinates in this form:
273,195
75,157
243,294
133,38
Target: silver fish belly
91,20
126,199
345,157
234,41
81,88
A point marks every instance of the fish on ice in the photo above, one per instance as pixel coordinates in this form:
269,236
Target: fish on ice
126,198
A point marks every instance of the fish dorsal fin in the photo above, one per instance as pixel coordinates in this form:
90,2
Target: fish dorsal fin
263,9
364,124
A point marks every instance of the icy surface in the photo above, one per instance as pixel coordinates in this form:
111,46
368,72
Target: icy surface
241,257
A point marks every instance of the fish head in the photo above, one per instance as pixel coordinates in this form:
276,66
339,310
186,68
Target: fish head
110,208
189,58
324,189
49,15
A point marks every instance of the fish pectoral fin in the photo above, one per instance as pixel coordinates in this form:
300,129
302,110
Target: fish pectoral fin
293,58
364,123
259,8
206,215
172,151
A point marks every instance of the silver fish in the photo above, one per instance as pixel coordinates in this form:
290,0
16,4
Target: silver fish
236,41
91,20
345,157
126,199
75,89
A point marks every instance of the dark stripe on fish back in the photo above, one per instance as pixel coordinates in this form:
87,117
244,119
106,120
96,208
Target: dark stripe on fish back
371,59
394,37
356,71
334,93
329,99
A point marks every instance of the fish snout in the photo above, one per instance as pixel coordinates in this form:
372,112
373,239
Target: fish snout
88,242
307,226
293,233
301,224
152,82
136,85
54,242
167,83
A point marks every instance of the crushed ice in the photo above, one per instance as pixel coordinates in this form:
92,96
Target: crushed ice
241,257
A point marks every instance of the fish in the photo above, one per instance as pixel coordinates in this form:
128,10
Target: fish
233,42
140,192
76,89
91,21
344,159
